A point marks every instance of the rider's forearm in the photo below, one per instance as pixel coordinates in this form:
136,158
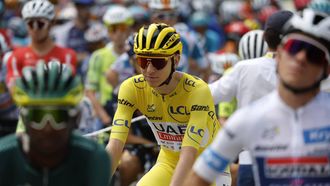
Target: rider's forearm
187,159
115,149
99,110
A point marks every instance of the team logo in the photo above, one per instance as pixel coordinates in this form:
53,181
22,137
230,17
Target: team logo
179,113
139,82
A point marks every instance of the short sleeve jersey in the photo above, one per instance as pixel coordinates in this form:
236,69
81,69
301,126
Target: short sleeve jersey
185,117
100,61
26,56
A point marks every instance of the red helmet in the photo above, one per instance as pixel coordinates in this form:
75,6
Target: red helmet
237,27
266,12
301,4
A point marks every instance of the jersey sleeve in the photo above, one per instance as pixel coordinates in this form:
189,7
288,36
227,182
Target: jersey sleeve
225,88
125,109
93,73
224,149
13,69
198,132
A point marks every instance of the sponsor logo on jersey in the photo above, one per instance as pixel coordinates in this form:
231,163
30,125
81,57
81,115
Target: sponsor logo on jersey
297,167
271,147
139,82
173,94
195,134
153,118
179,113
317,135
270,133
154,93
170,129
125,102
189,85
151,108
212,115
169,132
121,122
200,108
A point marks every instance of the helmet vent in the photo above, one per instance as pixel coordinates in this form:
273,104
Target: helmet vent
166,39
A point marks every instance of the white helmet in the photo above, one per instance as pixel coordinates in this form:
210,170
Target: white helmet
117,14
320,6
96,32
221,62
164,5
314,24
252,45
38,9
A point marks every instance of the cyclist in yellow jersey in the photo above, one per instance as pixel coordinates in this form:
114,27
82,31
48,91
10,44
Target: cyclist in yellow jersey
179,107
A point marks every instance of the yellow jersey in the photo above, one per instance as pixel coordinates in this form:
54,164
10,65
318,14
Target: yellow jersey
185,117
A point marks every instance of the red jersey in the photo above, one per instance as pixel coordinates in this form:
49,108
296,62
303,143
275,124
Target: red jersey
25,56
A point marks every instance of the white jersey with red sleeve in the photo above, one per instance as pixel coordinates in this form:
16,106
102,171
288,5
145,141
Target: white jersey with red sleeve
26,56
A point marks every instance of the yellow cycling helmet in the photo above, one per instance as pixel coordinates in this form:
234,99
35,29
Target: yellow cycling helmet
157,39
51,84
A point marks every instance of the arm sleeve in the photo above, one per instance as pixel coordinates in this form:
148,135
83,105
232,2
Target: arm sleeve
197,133
225,88
223,150
126,107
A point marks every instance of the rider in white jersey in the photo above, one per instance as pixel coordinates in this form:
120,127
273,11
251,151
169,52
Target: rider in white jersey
287,132
250,80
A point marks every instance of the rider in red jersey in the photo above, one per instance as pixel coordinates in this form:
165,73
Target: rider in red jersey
39,16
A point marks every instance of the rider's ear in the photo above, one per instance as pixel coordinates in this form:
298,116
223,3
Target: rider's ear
177,58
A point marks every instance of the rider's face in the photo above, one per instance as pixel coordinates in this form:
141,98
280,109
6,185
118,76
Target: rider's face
38,29
155,70
297,63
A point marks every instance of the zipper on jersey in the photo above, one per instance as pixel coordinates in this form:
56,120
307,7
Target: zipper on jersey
45,177
296,137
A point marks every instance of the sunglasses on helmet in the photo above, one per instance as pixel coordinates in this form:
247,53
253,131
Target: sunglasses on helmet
157,62
38,117
316,53
37,24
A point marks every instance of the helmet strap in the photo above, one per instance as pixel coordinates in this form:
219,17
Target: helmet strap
169,78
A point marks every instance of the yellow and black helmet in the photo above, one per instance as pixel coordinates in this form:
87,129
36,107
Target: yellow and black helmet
157,39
